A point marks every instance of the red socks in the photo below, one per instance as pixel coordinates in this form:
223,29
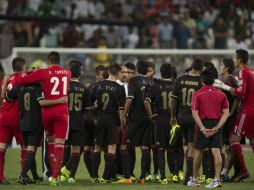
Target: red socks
58,152
238,153
2,154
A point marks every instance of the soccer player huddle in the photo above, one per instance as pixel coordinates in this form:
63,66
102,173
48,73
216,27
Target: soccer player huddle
125,109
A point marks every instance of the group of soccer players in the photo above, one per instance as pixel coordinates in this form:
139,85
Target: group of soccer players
127,108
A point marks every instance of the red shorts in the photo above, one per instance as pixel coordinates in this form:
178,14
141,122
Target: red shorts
7,132
244,126
56,126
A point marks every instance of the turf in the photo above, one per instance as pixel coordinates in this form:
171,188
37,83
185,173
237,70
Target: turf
12,169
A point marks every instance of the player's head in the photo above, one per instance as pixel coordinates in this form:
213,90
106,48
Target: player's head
209,66
174,73
114,70
131,70
75,68
151,70
197,65
242,57
99,72
18,64
142,67
105,73
227,66
207,77
53,58
123,74
166,71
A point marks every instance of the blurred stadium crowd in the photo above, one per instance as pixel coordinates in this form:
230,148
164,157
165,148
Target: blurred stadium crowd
182,24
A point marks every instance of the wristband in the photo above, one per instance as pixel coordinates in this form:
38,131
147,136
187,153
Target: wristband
202,129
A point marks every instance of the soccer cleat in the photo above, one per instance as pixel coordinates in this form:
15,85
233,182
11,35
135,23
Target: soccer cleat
180,175
63,178
142,181
225,178
124,181
37,180
193,183
241,177
102,180
54,182
175,179
25,180
149,177
214,184
71,180
208,180
50,179
174,132
202,179
65,172
164,181
133,178
187,179
95,180
4,182
170,176
156,177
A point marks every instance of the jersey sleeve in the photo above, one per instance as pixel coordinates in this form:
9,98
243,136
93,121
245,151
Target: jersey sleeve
131,89
39,94
195,102
150,94
241,89
87,99
122,98
12,94
31,78
176,90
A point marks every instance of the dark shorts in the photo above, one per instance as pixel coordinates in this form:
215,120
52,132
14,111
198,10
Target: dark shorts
75,138
89,131
139,133
161,130
202,142
227,129
187,124
106,129
32,138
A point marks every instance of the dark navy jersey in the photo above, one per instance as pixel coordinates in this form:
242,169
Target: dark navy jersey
184,88
160,95
79,101
137,88
109,96
28,97
232,82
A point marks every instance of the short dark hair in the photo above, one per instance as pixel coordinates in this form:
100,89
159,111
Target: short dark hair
229,64
174,72
105,73
99,68
197,64
75,68
130,66
166,71
209,66
243,55
54,57
114,69
207,77
151,65
142,67
18,64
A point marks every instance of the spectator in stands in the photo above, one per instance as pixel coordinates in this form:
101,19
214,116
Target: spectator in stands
132,39
3,10
70,37
220,31
6,45
166,33
20,35
181,34
112,37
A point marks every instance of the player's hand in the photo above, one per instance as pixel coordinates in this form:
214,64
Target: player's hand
173,120
219,84
207,132
63,100
214,130
152,118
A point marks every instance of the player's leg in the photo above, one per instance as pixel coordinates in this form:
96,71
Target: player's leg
109,161
87,155
217,162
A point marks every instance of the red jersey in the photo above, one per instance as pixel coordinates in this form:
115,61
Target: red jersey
209,102
55,83
10,111
246,90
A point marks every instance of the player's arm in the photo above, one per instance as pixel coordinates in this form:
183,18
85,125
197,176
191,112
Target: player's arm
12,95
148,100
5,84
87,101
130,97
235,106
174,100
242,85
32,77
122,99
46,103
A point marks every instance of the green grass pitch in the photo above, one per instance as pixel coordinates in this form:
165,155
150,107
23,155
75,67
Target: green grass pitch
12,169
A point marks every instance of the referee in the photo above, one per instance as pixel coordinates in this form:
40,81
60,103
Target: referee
210,111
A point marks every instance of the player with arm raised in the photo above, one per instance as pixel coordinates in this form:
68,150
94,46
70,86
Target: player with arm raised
55,82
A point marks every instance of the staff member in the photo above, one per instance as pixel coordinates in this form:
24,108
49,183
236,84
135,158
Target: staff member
210,111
